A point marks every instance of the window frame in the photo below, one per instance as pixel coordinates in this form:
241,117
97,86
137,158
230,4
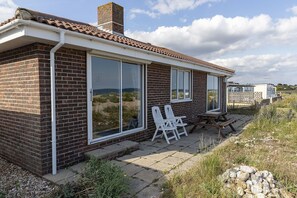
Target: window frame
143,66
219,93
177,100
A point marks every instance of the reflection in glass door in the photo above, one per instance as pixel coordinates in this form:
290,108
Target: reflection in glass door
117,98
106,97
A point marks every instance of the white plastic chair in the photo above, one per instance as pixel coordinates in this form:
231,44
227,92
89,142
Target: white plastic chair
176,120
163,126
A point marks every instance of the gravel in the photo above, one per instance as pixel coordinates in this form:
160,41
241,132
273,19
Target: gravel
17,182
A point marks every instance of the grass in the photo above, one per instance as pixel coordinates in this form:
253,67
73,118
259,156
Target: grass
269,143
100,179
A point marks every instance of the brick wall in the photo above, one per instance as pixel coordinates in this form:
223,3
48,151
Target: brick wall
25,108
20,116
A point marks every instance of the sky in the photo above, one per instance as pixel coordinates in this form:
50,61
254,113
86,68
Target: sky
256,38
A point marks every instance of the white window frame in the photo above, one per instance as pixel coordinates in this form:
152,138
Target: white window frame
190,86
219,94
89,101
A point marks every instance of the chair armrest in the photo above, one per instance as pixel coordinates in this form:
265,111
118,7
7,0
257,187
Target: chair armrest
180,117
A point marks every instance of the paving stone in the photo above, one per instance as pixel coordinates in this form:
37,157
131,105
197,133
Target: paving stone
98,153
160,182
144,162
141,153
78,168
148,142
129,144
156,156
61,175
182,155
186,166
150,192
128,158
161,143
137,185
149,175
74,178
166,152
175,147
172,160
119,163
190,150
163,167
132,169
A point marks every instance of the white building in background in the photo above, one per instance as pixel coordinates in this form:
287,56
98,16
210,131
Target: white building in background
268,90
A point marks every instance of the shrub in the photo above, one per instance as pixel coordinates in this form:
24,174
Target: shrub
100,179
103,179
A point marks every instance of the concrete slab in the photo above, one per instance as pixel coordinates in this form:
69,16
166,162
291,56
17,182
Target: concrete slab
119,163
182,155
128,158
163,167
78,168
144,162
61,175
149,175
150,192
137,185
172,160
132,169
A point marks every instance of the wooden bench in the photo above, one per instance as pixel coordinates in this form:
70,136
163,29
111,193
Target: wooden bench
219,125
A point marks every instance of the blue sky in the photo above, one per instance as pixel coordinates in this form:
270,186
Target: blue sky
257,38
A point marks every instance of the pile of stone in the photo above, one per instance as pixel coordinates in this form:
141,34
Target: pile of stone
248,182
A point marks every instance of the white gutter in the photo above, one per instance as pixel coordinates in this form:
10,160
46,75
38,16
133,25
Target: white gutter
53,100
161,57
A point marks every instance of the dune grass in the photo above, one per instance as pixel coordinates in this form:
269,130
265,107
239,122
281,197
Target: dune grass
269,143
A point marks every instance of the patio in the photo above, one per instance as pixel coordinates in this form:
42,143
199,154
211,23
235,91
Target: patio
155,162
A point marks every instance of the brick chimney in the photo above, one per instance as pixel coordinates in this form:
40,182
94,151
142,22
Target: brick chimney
111,18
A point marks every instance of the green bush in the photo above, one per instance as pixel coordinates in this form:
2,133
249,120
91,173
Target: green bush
103,179
100,179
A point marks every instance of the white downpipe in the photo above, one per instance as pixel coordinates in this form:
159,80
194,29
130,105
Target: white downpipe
53,100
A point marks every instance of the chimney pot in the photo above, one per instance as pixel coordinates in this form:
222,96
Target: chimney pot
111,17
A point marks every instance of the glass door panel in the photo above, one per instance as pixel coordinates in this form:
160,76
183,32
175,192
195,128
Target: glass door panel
106,75
131,96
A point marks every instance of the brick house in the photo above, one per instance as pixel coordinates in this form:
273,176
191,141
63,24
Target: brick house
67,87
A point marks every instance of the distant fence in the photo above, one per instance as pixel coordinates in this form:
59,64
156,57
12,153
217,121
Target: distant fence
244,97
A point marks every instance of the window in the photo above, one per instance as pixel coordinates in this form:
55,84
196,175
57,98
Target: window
117,97
180,85
213,93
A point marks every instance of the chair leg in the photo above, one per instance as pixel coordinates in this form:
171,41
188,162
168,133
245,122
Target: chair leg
185,131
177,133
155,135
166,137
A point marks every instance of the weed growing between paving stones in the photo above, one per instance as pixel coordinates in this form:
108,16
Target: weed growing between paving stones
100,179
269,143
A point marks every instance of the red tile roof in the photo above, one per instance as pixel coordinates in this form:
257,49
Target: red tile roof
84,28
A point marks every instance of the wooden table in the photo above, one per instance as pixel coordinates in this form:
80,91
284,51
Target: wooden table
214,119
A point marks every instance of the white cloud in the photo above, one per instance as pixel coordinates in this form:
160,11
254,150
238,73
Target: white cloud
159,7
170,6
7,9
135,11
211,36
270,68
293,10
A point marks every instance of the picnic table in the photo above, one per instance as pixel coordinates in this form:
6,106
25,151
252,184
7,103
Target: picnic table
214,119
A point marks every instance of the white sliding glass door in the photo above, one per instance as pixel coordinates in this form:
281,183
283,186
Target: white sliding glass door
116,98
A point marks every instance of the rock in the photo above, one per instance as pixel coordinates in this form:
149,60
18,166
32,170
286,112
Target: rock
241,184
247,169
243,176
240,191
264,173
249,184
248,195
275,191
225,176
260,195
285,194
232,174
256,189
266,187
